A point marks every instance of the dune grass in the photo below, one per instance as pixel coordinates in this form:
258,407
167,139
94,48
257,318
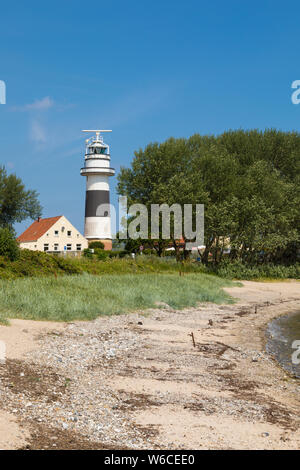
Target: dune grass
39,264
87,296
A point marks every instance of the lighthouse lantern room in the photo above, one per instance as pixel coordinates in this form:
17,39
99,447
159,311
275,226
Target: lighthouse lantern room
97,170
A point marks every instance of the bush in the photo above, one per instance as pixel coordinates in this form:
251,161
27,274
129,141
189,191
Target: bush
87,253
98,245
239,270
67,265
40,264
117,253
171,253
113,254
101,254
8,245
149,251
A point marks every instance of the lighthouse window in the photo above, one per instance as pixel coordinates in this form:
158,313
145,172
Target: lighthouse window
97,150
100,150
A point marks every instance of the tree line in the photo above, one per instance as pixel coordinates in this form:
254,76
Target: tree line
249,182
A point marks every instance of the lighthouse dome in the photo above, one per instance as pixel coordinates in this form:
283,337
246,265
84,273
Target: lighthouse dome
96,146
97,157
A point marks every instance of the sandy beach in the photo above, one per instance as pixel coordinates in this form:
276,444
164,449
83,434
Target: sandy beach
139,381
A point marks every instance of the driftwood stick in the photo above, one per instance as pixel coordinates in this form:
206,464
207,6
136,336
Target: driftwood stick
193,339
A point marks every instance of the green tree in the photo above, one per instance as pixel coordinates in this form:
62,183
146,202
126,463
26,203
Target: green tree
159,175
8,245
249,182
16,203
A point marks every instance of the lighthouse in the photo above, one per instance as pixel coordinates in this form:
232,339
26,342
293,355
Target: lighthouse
97,170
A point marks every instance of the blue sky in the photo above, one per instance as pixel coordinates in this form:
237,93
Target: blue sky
146,70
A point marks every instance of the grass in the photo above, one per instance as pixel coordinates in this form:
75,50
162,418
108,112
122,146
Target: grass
41,286
38,264
87,296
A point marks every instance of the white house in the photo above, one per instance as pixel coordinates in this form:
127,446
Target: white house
53,234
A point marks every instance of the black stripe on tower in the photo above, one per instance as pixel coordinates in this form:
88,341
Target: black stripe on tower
94,199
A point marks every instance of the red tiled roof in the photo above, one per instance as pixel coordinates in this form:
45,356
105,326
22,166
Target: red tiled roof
37,229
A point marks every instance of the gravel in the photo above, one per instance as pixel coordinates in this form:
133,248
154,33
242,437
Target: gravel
66,384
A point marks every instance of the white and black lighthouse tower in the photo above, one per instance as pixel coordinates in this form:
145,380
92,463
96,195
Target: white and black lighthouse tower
97,226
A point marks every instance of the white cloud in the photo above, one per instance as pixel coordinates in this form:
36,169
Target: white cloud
44,103
39,105
37,132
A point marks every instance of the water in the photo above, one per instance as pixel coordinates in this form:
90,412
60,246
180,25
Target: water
281,333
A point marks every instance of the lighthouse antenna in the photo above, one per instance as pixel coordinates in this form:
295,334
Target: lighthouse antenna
97,132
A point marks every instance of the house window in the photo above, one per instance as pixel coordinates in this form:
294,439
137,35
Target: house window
46,246
63,229
55,246
69,233
69,247
56,233
78,247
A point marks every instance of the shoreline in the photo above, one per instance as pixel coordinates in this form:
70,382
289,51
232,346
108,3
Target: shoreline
273,354
291,310
137,382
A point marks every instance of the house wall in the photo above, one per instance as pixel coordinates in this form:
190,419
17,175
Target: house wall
61,239
28,245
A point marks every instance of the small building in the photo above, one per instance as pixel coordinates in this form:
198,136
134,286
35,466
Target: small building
54,235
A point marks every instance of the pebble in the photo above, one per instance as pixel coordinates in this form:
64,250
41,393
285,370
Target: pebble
106,413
